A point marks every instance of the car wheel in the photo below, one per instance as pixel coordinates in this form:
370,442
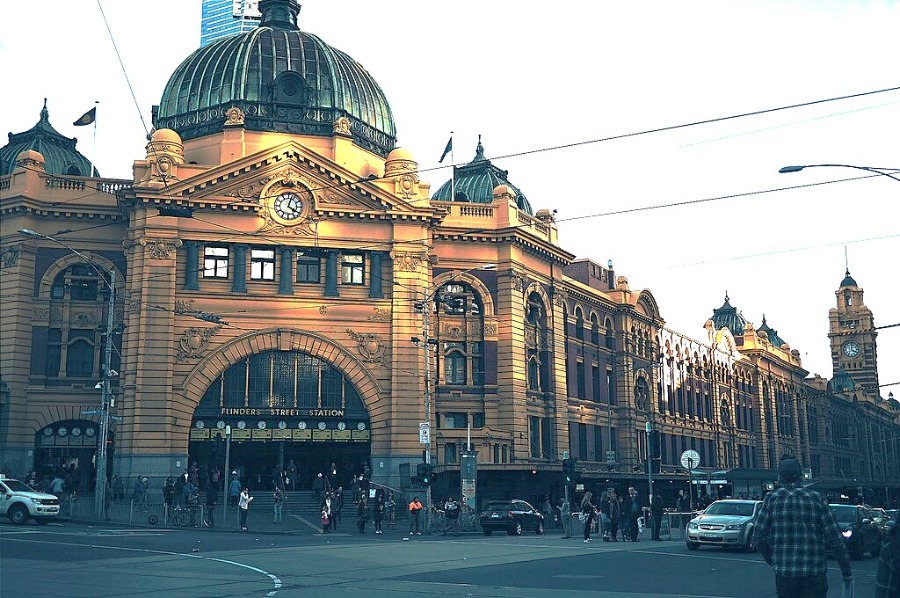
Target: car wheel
18,514
41,520
488,531
539,530
692,545
515,529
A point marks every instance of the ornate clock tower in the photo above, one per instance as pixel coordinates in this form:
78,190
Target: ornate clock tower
852,334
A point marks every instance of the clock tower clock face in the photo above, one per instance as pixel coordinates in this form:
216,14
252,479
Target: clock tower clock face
850,348
288,206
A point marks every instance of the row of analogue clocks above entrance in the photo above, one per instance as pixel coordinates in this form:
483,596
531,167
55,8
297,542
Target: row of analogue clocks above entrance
282,425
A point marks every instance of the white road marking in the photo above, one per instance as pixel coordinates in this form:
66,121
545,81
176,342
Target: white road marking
275,580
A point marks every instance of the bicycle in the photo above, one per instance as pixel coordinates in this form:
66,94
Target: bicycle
438,522
68,505
468,521
183,515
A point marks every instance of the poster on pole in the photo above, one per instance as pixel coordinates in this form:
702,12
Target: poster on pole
424,433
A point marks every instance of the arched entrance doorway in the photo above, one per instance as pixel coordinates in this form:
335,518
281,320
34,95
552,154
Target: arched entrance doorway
69,448
283,409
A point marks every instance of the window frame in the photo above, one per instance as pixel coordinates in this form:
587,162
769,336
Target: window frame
213,263
262,267
350,267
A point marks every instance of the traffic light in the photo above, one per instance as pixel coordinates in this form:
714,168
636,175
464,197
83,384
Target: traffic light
569,470
425,470
654,445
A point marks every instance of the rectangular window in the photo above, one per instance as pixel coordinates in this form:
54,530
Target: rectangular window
215,262
259,383
535,435
262,264
309,268
456,421
546,438
54,352
582,442
234,393
610,387
283,380
579,381
450,453
598,444
352,268
478,420
476,352
595,382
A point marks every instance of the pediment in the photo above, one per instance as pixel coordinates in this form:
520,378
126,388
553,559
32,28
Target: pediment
252,182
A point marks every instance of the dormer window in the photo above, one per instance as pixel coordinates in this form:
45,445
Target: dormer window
290,88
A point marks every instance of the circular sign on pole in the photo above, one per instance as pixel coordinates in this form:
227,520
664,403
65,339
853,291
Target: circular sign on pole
690,459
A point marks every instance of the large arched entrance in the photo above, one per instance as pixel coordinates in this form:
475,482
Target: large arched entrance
286,410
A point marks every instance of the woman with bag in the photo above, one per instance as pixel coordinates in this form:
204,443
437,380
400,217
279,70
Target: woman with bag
244,501
605,520
588,511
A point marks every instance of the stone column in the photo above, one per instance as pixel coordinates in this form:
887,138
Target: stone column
239,283
331,273
192,267
285,280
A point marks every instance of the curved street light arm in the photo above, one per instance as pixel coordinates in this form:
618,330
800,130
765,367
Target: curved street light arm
873,169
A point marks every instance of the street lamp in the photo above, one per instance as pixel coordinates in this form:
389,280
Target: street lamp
104,385
425,439
890,173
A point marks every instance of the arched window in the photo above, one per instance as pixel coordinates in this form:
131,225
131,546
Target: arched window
460,333
536,354
579,324
610,334
595,330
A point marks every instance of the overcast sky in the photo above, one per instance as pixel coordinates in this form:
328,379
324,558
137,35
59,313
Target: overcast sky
535,75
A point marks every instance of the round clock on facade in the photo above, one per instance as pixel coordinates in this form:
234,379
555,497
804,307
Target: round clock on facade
282,425
322,425
360,426
220,424
62,431
342,426
200,425
242,424
850,348
90,432
76,431
261,425
301,425
48,431
288,206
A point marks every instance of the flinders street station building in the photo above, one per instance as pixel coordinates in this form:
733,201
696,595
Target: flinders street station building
278,270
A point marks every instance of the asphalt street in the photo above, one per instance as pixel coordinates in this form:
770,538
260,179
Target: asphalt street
79,560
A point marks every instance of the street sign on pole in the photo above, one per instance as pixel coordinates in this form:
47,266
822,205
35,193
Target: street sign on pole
91,412
424,434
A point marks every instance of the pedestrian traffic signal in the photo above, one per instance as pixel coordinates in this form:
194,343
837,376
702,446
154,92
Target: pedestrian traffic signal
426,473
655,445
569,470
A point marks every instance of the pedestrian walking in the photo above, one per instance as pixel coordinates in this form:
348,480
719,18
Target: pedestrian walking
212,499
326,515
604,516
141,485
633,508
118,489
565,514
887,578
278,504
390,508
318,485
415,514
656,510
244,501
378,512
234,489
588,510
547,510
793,529
451,512
337,507
623,519
362,514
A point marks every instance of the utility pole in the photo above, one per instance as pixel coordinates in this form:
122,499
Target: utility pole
426,309
106,401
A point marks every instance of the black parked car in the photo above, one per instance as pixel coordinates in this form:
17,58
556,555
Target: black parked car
512,516
861,533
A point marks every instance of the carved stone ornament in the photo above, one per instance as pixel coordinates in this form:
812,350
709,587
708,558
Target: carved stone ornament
370,346
408,262
490,329
183,307
83,319
40,313
381,315
9,257
406,186
323,309
342,126
194,342
518,283
161,249
452,331
561,299
234,117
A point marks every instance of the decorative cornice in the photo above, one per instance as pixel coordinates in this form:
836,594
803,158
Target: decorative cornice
161,249
9,257
194,342
370,347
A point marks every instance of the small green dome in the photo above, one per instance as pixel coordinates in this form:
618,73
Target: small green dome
730,317
771,333
283,79
848,280
475,183
60,156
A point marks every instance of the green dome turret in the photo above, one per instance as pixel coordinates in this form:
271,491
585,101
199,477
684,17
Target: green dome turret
729,317
60,156
282,79
475,182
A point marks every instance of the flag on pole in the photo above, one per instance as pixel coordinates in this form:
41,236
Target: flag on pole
447,150
87,118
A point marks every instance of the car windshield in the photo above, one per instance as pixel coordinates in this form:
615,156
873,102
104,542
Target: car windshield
741,509
17,486
844,514
498,506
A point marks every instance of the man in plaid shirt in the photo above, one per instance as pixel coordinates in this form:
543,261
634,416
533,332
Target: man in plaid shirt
792,530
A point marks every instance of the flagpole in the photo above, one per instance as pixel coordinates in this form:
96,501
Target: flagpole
94,148
452,171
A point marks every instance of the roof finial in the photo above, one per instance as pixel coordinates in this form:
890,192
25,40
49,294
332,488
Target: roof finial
479,150
279,14
726,296
45,115
764,319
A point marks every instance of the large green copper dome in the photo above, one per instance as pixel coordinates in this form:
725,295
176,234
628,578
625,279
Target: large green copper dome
60,155
475,182
283,79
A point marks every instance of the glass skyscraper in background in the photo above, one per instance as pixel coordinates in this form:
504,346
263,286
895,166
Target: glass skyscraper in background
220,18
